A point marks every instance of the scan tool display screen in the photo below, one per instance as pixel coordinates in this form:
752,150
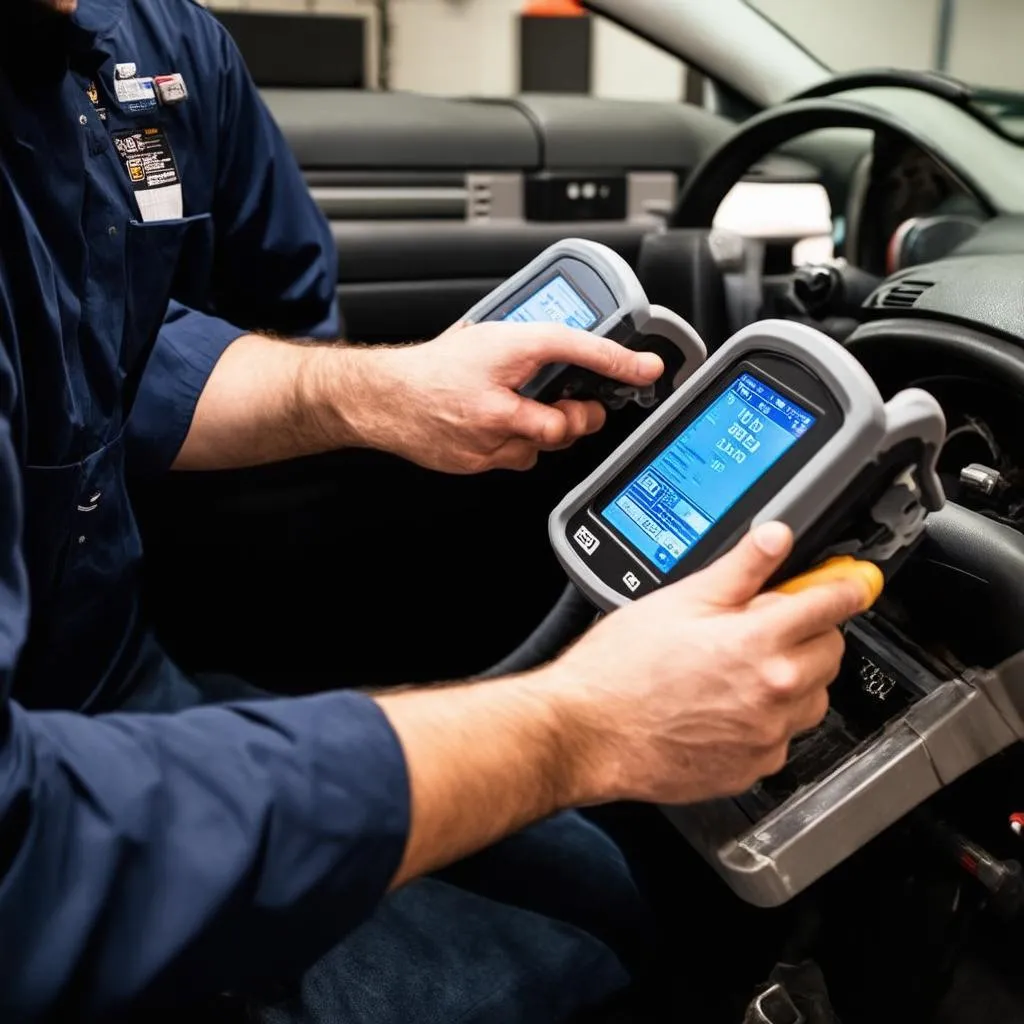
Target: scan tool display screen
674,500
555,302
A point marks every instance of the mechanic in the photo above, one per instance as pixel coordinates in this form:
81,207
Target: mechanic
156,859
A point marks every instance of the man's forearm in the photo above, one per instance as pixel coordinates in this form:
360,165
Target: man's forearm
269,400
453,405
484,760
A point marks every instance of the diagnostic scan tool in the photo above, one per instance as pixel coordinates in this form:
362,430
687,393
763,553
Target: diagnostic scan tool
783,424
589,286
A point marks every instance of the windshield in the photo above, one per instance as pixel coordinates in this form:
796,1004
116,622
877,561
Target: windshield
974,41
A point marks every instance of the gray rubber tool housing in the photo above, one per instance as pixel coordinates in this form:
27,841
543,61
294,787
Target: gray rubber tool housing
633,319
870,428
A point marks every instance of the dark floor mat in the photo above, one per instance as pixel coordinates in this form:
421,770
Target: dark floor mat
979,995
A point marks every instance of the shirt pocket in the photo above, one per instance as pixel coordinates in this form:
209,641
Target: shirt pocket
164,259
83,553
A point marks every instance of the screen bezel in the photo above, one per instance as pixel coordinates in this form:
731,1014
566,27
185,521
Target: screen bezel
802,388
581,277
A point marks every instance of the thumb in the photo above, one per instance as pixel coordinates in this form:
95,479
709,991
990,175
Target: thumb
740,574
459,325
546,343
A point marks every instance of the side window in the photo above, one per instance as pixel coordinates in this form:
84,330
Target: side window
977,41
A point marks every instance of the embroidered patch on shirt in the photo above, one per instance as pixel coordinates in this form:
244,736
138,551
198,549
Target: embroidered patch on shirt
93,92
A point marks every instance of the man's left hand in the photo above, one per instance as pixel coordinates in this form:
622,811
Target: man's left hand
452,404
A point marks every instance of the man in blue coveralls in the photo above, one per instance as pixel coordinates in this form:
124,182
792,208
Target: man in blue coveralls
158,859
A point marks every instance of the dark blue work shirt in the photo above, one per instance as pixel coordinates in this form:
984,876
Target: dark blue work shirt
148,855
101,390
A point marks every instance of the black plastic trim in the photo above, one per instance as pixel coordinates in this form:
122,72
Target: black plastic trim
388,312
384,179
372,251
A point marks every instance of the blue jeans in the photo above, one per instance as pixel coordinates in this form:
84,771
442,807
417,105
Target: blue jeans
535,929
507,937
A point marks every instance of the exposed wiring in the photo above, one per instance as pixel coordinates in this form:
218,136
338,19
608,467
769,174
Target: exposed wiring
978,427
1010,510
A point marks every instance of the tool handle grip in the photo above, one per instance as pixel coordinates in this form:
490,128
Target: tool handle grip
839,568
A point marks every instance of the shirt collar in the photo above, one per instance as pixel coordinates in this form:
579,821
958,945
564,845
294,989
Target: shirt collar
97,17
36,42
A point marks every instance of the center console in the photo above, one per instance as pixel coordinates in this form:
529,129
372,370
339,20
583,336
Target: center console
902,725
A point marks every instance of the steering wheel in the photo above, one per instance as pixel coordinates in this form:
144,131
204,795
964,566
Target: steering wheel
714,177
897,354
828,296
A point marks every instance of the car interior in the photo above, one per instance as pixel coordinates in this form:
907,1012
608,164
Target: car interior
887,852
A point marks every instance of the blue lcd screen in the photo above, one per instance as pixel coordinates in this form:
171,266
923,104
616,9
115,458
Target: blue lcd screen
671,503
555,302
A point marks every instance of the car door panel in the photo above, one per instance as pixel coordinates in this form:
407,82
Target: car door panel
411,279
441,250
391,313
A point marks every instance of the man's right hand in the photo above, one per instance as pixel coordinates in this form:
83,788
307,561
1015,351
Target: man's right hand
695,692
691,693
453,405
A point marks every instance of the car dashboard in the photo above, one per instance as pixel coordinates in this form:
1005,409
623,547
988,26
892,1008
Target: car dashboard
895,182
955,327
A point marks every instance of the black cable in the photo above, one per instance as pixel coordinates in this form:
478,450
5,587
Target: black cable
571,615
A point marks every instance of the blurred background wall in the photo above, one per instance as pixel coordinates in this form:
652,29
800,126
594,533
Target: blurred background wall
455,47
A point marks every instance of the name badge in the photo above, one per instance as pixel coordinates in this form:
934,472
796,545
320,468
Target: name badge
136,95
171,89
153,172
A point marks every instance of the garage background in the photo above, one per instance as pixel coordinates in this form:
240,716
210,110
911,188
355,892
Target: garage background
454,47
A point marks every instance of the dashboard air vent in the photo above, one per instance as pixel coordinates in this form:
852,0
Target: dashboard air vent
903,295
494,197
480,198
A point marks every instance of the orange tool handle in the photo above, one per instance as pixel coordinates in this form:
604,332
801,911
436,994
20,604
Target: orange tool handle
839,568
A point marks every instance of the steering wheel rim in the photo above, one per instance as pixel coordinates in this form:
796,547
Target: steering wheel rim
982,542
714,177
961,348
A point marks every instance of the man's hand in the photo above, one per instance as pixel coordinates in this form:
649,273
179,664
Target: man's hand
691,693
695,692
449,405
452,405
